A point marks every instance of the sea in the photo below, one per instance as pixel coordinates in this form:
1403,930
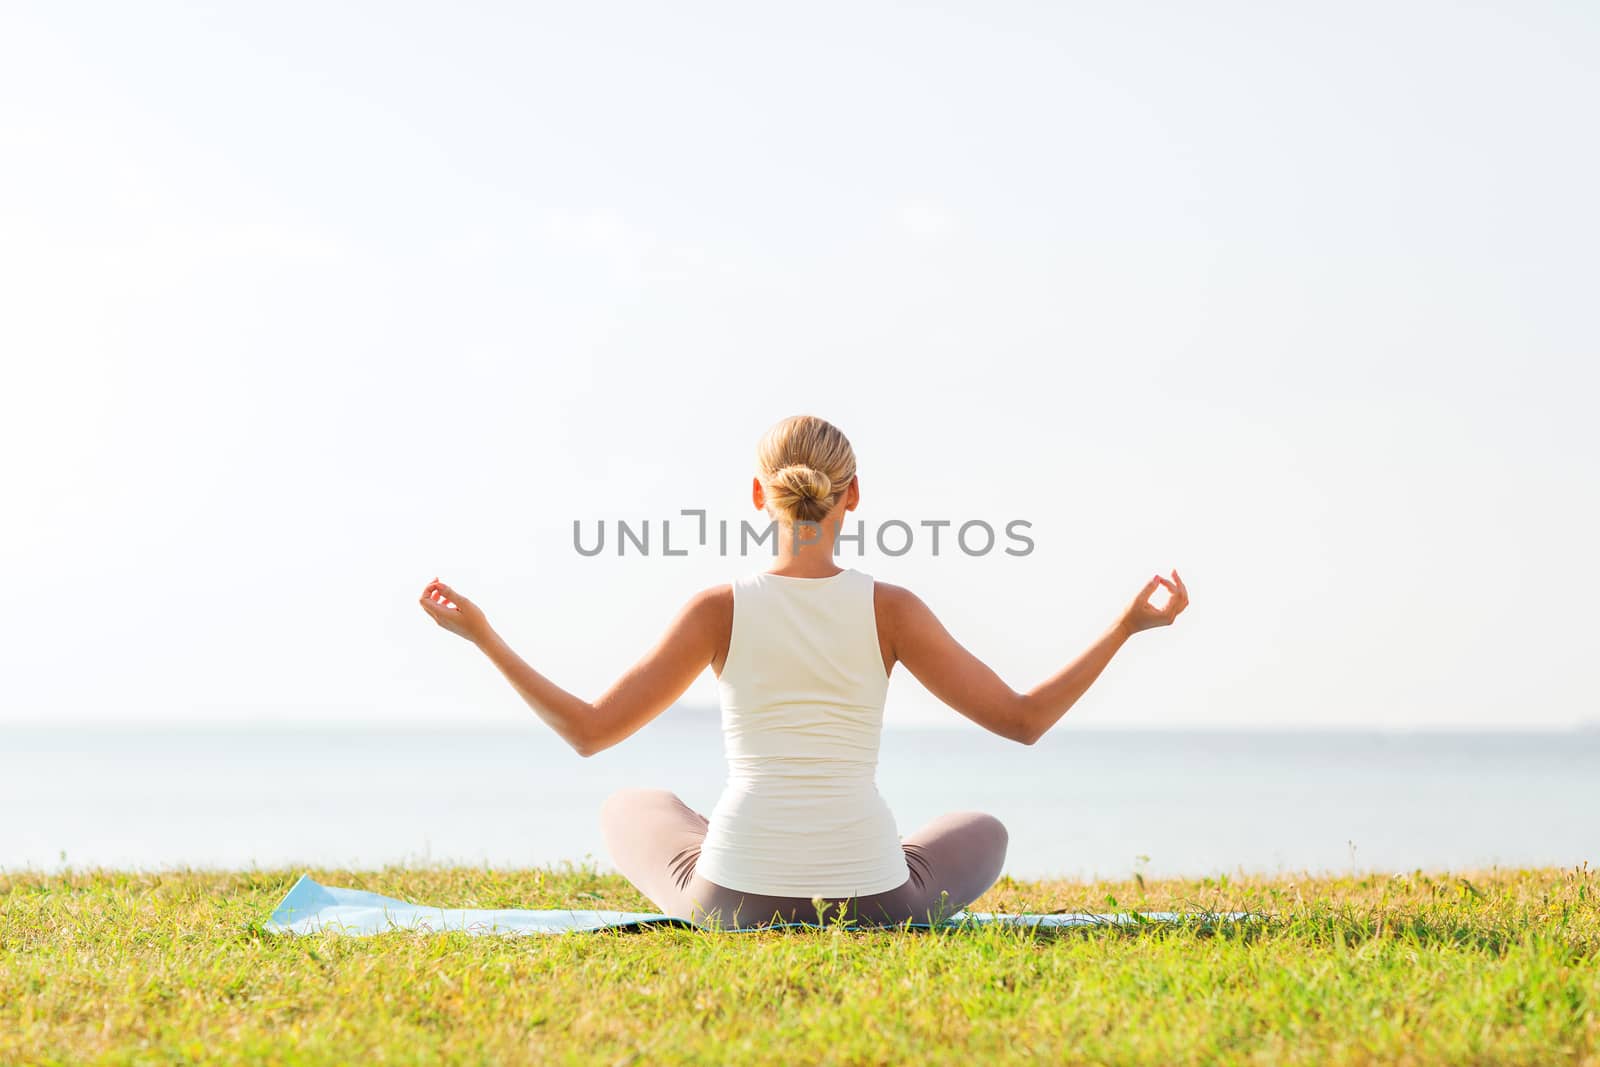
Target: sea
1081,803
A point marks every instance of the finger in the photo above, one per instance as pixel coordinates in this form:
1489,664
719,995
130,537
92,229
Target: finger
1150,587
1170,587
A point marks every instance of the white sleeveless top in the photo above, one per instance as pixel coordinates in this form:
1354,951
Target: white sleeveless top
803,690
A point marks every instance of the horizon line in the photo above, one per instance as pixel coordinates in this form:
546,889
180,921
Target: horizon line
699,716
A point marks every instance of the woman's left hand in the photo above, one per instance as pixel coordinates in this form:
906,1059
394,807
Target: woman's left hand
454,612
1142,615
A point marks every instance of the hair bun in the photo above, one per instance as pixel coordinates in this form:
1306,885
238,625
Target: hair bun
805,482
806,465
802,492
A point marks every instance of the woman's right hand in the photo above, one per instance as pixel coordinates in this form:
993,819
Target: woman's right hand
1143,615
454,612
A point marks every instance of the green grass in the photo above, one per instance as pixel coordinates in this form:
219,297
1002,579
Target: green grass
1498,967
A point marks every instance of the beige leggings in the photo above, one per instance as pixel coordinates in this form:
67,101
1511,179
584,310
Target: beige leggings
654,839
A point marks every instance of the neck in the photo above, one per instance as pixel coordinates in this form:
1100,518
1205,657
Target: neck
806,551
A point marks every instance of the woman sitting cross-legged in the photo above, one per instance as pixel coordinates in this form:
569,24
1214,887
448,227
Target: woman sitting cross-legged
802,653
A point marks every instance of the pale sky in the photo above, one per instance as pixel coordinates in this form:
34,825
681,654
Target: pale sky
304,304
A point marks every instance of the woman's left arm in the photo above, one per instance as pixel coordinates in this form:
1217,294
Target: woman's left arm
643,692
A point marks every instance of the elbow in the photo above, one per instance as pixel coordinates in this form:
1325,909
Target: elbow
1023,731
587,734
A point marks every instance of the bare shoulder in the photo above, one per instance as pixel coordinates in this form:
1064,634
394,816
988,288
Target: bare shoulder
711,605
710,615
894,599
896,606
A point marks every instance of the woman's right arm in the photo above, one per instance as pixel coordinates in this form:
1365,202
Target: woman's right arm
954,675
692,642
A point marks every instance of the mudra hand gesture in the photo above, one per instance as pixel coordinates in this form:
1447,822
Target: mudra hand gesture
454,612
1143,615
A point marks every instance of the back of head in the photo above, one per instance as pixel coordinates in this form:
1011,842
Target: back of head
806,464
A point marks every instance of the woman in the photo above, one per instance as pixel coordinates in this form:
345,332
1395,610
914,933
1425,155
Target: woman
802,653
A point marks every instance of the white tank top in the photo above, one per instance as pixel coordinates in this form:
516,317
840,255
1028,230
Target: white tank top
802,713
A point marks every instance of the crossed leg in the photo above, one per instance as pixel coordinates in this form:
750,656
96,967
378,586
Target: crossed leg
654,839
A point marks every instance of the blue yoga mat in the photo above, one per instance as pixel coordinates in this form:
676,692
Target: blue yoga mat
311,908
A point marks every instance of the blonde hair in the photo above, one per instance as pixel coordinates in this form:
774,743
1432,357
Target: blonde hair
805,464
